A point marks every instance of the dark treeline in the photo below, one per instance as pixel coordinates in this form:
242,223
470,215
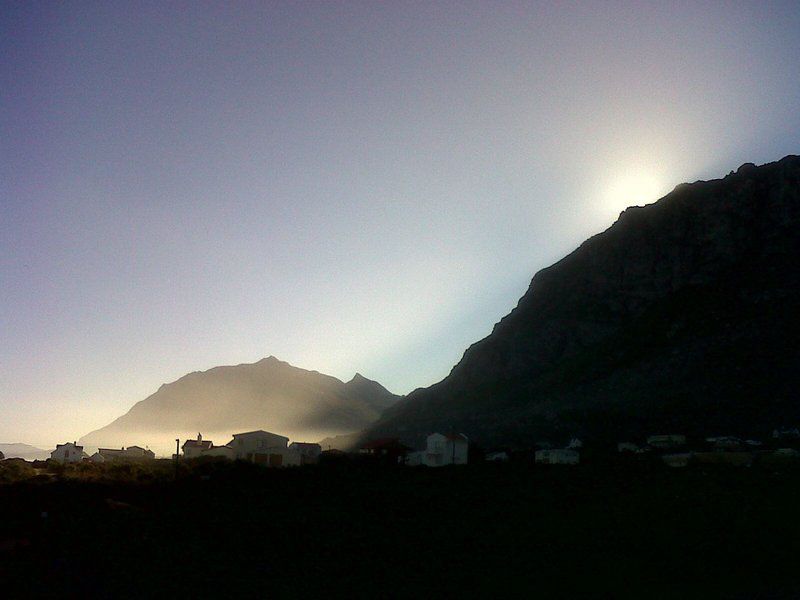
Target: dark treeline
624,529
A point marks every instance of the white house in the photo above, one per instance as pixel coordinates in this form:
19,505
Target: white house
309,452
110,454
264,448
131,453
69,452
139,453
450,449
558,456
194,448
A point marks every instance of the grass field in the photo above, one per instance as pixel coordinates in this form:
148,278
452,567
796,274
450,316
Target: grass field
612,530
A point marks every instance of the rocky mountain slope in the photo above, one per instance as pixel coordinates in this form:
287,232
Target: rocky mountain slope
270,394
683,316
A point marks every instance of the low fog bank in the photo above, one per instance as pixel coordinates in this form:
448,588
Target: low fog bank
163,444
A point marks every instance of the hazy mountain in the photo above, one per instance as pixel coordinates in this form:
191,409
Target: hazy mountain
681,317
23,451
269,394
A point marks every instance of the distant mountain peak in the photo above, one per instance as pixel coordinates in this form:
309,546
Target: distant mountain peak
270,394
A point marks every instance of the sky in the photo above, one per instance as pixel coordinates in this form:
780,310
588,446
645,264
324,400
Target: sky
349,186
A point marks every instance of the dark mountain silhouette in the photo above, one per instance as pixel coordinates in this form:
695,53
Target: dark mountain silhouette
270,394
683,316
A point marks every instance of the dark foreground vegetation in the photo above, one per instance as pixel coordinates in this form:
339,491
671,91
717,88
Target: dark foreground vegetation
616,530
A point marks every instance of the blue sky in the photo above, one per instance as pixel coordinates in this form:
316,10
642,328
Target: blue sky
347,186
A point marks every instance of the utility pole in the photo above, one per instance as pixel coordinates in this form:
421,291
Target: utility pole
177,456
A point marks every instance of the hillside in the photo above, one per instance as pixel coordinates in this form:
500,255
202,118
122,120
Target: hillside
682,317
270,394
23,451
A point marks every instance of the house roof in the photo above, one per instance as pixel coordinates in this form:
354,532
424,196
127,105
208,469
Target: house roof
235,435
306,444
69,444
203,445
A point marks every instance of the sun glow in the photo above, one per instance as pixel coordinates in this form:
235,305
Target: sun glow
635,189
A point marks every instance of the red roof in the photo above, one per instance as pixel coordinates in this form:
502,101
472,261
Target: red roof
457,437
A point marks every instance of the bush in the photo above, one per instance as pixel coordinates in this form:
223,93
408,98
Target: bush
15,469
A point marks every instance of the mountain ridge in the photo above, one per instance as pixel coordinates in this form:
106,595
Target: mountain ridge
20,450
269,394
682,277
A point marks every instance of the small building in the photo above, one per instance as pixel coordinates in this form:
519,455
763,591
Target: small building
129,454
386,450
69,452
264,448
557,456
97,458
309,452
446,449
110,454
666,441
139,453
194,448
